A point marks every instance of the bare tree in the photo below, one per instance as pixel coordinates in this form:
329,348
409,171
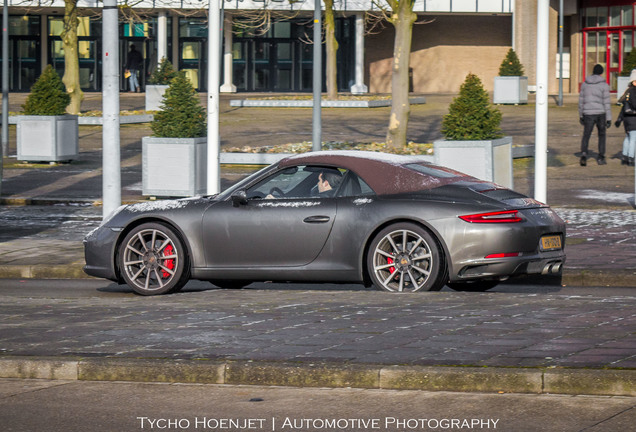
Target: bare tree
402,17
332,51
71,76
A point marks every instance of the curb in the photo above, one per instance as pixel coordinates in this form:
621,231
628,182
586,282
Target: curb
597,382
74,270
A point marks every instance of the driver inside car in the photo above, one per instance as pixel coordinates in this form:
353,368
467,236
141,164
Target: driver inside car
326,186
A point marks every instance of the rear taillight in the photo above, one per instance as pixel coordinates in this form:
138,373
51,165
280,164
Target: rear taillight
503,255
510,216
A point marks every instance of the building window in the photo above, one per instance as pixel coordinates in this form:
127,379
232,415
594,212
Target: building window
627,15
24,26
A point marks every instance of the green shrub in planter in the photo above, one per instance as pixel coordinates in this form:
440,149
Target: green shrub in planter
163,74
48,95
511,66
181,114
629,63
470,115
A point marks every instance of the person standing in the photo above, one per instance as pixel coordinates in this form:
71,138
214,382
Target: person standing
133,64
628,117
594,110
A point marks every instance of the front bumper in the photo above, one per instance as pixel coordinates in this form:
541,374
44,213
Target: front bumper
100,252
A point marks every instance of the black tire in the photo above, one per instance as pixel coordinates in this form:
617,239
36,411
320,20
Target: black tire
152,260
418,267
476,286
230,284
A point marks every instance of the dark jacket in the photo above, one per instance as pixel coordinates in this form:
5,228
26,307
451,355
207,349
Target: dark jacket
594,98
134,60
629,121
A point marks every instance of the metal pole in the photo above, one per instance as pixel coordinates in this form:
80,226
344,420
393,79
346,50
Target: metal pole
317,83
111,157
4,149
541,129
214,78
560,101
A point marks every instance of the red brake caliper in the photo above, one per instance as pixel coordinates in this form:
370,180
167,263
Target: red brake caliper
390,261
167,251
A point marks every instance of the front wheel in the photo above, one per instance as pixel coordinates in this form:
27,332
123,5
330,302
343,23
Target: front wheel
152,260
406,258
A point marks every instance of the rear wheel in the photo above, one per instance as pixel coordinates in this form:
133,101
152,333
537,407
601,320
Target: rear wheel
406,258
152,260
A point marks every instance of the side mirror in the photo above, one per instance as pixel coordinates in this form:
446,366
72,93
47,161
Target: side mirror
239,198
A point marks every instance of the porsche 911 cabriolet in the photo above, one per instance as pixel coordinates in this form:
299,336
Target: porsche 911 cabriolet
392,222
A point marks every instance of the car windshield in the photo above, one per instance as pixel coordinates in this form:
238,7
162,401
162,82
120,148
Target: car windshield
243,183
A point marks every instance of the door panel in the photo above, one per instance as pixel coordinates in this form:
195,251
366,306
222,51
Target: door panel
267,232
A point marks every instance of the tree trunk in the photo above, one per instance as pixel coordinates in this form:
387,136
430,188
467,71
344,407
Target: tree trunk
402,19
71,77
332,51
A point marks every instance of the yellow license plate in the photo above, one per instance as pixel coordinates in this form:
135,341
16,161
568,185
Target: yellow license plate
550,243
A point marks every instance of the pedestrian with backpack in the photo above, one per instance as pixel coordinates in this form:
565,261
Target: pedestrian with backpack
594,110
628,117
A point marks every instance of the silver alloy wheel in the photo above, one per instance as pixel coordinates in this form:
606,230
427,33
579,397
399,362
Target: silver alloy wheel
151,261
403,261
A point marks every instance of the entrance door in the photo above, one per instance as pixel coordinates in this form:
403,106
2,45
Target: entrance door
614,44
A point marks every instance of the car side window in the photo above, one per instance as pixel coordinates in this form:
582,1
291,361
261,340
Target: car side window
299,182
280,184
354,186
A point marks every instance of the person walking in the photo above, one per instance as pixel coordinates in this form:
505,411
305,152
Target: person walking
133,64
594,110
628,117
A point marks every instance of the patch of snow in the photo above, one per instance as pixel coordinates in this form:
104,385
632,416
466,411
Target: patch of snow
609,218
362,201
292,204
362,154
616,197
157,205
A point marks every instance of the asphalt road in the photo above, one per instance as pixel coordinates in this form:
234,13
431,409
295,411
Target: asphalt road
85,288
69,406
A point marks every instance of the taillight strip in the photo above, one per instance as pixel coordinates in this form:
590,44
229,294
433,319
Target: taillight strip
507,216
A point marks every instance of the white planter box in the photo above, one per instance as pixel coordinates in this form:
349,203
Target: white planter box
486,160
154,96
621,85
511,90
47,138
174,167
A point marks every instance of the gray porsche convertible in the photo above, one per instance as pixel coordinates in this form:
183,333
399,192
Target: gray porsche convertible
392,222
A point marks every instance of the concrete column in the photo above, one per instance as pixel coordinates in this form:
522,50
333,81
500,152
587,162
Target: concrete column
111,183
525,37
228,74
162,36
44,34
175,42
214,72
359,87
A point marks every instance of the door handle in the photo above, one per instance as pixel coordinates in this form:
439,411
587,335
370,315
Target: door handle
316,219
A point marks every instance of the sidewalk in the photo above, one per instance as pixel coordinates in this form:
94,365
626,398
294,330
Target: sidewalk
442,341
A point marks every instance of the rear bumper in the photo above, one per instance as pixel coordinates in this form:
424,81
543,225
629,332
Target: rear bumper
541,267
